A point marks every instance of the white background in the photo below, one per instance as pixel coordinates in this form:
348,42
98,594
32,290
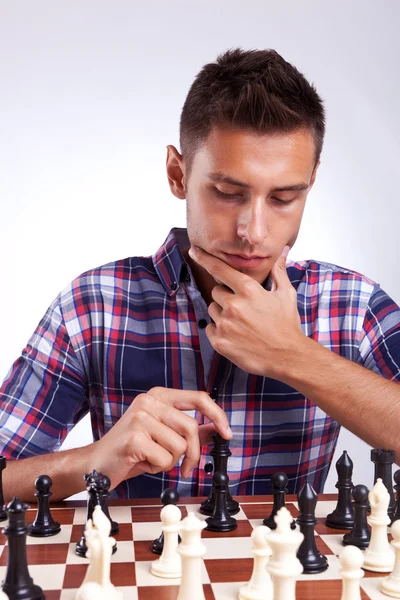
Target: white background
91,94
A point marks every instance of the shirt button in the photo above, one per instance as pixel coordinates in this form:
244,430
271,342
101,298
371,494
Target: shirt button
174,286
208,467
214,393
202,323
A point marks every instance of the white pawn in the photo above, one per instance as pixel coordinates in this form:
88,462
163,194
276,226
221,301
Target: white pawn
97,584
391,585
260,584
351,559
169,563
284,566
3,595
192,551
379,556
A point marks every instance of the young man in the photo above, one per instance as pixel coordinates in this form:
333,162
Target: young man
162,350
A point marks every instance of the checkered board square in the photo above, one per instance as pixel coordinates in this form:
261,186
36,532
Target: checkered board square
228,563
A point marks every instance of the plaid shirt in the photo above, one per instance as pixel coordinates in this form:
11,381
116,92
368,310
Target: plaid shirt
123,328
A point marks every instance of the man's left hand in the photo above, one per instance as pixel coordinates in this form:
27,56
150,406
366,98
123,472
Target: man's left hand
256,329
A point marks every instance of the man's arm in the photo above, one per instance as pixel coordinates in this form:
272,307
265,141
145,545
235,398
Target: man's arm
365,403
150,437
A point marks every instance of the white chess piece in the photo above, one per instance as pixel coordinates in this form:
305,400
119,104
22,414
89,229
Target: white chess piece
169,564
192,551
97,584
379,556
391,585
351,559
3,595
284,566
260,585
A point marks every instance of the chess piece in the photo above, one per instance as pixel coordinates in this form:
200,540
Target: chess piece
284,566
383,460
379,556
220,520
279,490
360,535
220,454
169,563
44,524
397,488
3,464
391,585
192,551
97,583
95,486
18,583
260,585
309,555
351,560
103,484
168,496
343,515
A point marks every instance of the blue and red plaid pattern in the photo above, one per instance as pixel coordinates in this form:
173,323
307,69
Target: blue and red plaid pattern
123,328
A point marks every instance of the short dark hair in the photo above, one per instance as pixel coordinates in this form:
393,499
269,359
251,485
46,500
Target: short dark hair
254,90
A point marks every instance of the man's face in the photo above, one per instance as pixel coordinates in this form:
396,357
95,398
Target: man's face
252,214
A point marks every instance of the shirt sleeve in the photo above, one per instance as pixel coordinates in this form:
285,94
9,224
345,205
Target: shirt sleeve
380,336
44,393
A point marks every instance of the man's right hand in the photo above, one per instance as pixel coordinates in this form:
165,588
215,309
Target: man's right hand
154,433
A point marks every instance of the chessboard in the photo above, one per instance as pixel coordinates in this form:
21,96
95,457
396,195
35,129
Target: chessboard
228,564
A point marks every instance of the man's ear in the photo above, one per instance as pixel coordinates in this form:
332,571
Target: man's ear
175,166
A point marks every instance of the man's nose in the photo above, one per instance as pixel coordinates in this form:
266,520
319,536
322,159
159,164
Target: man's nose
252,225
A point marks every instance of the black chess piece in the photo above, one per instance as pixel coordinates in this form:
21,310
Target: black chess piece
18,584
168,496
279,490
383,461
221,520
308,554
95,484
220,454
343,515
396,515
44,524
103,484
3,464
360,535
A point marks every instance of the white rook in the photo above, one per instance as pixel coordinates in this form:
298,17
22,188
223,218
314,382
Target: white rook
391,585
284,566
192,551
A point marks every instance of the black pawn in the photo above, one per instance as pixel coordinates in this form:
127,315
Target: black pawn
343,515
383,461
44,524
103,484
279,490
396,515
3,464
169,496
94,486
308,554
18,584
360,535
220,454
221,520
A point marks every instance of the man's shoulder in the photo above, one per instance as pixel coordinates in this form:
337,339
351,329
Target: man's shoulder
314,272
121,276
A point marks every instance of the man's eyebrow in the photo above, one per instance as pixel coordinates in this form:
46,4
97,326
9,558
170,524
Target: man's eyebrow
296,187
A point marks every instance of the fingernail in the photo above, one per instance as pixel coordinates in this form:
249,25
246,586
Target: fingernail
189,474
191,253
229,431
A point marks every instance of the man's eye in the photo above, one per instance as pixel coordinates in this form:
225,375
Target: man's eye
223,195
282,202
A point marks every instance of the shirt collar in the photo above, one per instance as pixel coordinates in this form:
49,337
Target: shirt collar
173,269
